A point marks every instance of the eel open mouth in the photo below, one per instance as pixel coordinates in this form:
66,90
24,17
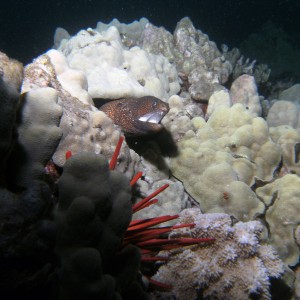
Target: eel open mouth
153,117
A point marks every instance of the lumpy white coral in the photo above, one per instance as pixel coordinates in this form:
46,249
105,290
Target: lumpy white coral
244,90
282,198
219,159
114,71
84,127
288,138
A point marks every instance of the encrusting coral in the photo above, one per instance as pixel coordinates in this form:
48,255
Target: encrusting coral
217,271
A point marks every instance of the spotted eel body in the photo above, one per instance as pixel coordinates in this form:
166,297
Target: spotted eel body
137,116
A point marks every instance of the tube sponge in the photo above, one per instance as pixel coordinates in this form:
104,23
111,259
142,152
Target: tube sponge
93,213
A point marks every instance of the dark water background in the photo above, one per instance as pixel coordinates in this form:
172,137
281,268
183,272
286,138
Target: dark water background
27,26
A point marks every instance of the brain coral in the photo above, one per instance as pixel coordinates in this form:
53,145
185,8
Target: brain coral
234,266
219,159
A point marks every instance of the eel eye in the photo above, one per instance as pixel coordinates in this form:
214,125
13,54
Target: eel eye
154,104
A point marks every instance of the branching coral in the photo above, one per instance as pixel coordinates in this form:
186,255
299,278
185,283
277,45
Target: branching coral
222,154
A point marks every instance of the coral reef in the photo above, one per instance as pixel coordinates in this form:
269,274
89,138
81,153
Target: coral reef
175,192
219,99
221,147
283,119
32,131
214,272
9,103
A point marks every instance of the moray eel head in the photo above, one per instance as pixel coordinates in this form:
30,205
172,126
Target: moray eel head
137,116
